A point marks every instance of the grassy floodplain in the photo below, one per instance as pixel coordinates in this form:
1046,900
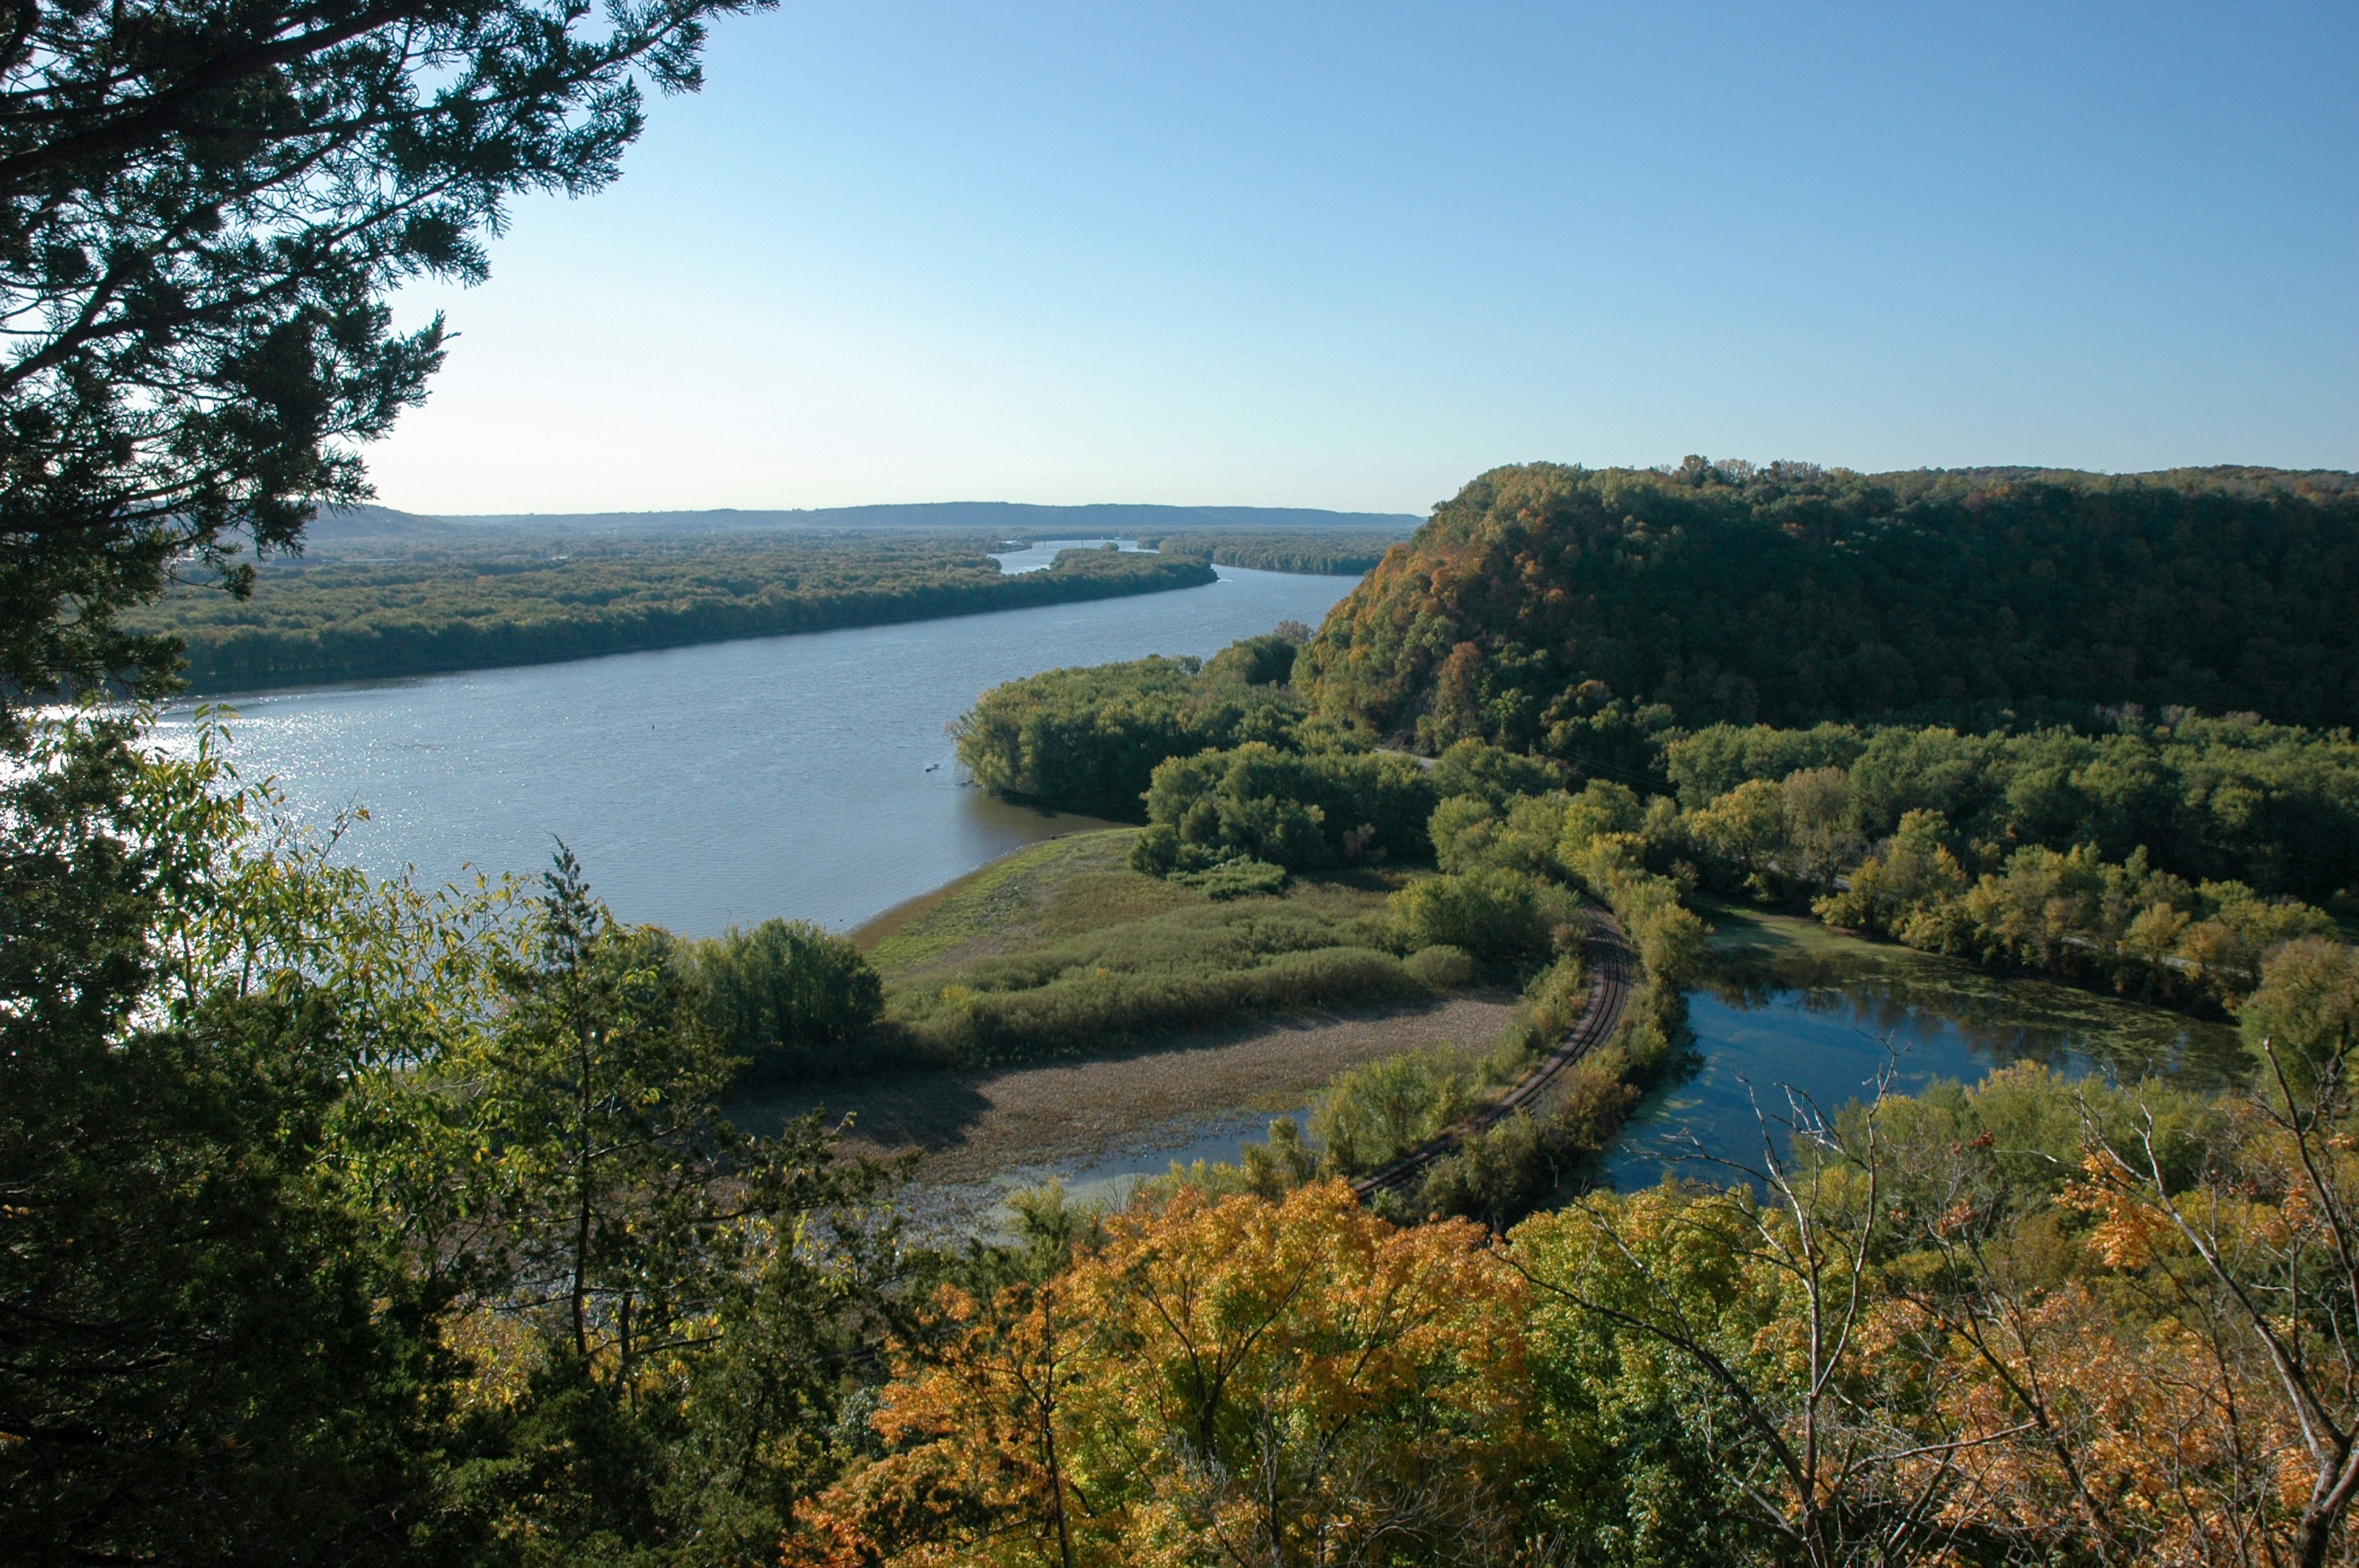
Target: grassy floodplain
1252,1049
1064,950
1070,884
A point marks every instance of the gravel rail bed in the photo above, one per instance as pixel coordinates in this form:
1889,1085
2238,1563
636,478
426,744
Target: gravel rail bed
1612,967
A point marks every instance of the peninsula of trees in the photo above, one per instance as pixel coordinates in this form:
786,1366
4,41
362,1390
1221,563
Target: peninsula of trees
1338,553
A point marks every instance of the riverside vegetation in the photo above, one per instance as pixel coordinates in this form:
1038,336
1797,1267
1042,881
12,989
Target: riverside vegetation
348,1221
1992,1302
1336,553
2018,1312
2161,858
530,600
1106,963
1057,951
1854,817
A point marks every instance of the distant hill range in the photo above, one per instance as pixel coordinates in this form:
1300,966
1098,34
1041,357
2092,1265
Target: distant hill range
1008,518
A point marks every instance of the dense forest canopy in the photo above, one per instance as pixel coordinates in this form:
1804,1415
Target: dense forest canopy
2269,805
1552,608
1090,739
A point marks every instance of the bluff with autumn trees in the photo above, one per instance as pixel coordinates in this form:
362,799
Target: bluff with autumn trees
1558,609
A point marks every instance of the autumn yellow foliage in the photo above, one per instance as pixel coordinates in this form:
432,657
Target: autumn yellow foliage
1221,1381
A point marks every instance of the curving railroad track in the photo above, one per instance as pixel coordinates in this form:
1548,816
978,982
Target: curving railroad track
1605,952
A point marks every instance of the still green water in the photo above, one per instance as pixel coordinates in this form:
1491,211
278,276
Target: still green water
1788,1004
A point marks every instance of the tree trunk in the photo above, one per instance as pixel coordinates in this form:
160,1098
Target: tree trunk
582,1211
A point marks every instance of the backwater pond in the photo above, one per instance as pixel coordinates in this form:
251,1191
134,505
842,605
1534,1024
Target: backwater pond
1789,1004
1786,1003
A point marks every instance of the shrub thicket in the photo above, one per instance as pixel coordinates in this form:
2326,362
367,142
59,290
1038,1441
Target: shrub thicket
1090,739
1496,914
1266,660
1492,773
1296,809
794,1000
1546,1012
1369,1116
1442,967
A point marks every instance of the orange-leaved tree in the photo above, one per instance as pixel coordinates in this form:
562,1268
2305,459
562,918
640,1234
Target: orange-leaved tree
1232,1381
2250,1245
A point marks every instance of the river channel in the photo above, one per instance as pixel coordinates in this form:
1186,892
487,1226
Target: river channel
806,776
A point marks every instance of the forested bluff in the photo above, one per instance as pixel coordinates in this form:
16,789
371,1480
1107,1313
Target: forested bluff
471,1147
1573,611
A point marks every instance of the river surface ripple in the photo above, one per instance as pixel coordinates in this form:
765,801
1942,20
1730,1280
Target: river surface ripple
806,776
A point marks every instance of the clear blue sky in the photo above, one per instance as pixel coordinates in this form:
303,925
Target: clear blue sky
1351,255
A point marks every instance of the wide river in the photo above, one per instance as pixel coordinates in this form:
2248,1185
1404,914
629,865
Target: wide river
806,776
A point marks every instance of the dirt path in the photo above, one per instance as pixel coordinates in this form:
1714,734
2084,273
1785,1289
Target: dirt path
975,1126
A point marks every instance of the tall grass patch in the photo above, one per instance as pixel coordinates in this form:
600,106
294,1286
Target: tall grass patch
1126,984
1048,891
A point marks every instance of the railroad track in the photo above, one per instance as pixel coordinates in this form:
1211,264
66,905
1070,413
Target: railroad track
1605,952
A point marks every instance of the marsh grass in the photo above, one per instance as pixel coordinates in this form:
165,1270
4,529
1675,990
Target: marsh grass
1079,883
1062,950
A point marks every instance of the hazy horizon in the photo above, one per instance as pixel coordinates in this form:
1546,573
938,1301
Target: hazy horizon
1113,512
1349,257
1347,516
